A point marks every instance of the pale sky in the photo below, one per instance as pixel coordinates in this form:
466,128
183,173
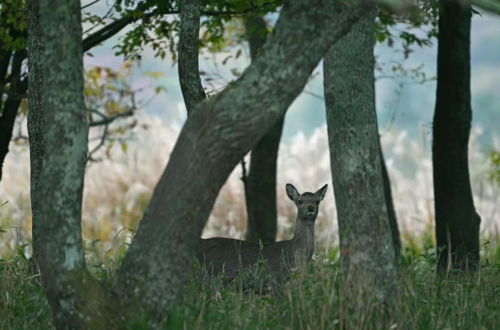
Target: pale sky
409,107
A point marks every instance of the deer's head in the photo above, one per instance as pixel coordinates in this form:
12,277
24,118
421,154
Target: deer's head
307,203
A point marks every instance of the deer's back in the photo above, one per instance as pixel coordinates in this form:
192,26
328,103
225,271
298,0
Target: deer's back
227,255
280,258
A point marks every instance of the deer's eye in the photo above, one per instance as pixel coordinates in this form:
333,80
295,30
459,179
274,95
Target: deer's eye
300,201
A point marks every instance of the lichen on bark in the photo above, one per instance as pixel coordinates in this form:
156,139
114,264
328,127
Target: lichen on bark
367,251
58,129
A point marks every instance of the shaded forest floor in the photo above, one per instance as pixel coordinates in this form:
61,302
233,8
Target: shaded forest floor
312,299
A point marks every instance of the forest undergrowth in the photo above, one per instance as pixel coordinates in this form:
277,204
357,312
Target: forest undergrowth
313,298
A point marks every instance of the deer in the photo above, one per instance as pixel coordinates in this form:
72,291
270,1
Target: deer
233,257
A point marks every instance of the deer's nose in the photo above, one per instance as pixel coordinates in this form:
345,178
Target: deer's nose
310,208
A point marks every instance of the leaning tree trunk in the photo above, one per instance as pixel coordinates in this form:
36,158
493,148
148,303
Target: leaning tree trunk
457,223
58,117
217,134
367,252
260,184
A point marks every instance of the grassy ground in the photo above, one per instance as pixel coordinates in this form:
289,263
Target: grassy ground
313,299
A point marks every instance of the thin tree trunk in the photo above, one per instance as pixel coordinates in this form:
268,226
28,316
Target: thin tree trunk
457,223
10,83
260,184
367,251
55,57
391,212
189,71
16,92
218,133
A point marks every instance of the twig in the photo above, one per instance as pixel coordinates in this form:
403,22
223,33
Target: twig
89,4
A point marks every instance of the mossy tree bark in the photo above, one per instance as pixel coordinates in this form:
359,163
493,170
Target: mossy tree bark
367,251
35,115
260,184
58,117
457,223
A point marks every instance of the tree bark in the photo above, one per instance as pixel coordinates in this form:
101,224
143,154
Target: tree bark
36,120
391,212
55,58
367,251
189,71
457,223
260,184
218,133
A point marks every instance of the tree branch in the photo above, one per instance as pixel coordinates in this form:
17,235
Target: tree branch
113,28
488,5
109,119
5,56
90,4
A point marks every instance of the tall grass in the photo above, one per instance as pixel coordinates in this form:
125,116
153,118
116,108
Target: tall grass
314,298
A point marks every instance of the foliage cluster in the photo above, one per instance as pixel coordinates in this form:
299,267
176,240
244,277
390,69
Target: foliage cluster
495,166
159,31
13,24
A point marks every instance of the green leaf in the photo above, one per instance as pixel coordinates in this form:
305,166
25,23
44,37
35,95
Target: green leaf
160,89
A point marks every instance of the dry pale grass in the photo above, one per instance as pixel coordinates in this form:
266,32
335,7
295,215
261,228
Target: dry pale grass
117,189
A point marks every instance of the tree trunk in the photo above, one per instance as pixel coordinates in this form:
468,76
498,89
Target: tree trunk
218,133
57,114
391,212
16,86
260,184
457,223
10,107
189,71
367,251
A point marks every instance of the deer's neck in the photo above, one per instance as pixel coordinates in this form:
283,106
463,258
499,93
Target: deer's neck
303,240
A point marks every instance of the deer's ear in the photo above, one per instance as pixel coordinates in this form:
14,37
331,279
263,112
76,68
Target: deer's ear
322,191
292,192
